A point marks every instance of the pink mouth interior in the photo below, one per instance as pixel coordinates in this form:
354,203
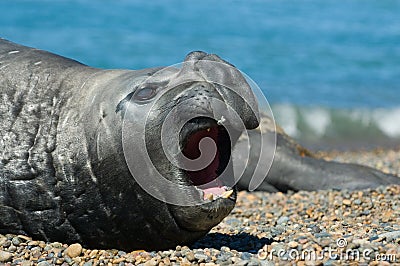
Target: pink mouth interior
216,189
191,151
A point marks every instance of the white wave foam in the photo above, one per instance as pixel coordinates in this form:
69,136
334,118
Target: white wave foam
361,115
388,121
318,119
314,122
286,116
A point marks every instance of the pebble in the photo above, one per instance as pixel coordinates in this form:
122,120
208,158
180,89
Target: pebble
6,243
16,241
293,244
261,222
282,220
245,256
200,256
5,256
190,256
74,250
43,263
347,202
390,236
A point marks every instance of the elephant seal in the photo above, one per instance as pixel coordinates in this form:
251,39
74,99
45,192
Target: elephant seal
63,173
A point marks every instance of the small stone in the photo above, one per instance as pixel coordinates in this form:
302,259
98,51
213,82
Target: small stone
24,238
241,262
330,262
68,260
77,260
293,244
253,262
357,202
373,238
12,248
33,243
245,256
93,253
117,261
390,236
7,243
283,220
303,240
323,234
43,263
312,262
121,253
56,245
267,263
74,250
200,256
190,256
359,241
25,263
226,249
16,241
150,263
233,222
347,202
2,239
5,256
315,229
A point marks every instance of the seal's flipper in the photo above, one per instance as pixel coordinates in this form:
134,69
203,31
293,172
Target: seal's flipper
296,168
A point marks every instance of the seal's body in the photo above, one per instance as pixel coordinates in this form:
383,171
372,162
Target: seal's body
63,174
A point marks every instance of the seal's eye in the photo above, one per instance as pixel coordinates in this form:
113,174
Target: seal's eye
144,94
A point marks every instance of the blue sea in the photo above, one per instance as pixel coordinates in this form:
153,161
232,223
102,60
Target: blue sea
330,69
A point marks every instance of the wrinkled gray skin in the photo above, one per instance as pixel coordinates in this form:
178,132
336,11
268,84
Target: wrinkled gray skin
63,176
295,168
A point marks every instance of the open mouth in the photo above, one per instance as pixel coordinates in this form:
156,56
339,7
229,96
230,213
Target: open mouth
207,180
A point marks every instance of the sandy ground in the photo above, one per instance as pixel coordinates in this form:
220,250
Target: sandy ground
303,228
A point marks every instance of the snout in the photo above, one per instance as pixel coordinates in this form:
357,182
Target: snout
229,84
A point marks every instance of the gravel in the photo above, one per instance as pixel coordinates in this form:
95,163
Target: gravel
303,228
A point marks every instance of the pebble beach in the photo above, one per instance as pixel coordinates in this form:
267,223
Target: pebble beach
298,228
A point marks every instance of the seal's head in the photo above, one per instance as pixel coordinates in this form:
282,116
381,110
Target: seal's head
178,127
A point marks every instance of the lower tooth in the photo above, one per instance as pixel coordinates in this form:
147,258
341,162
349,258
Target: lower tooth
227,194
210,196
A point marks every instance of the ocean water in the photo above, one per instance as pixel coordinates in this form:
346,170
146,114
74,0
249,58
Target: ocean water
330,69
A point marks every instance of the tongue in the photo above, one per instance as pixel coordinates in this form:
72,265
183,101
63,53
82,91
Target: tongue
214,187
214,190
